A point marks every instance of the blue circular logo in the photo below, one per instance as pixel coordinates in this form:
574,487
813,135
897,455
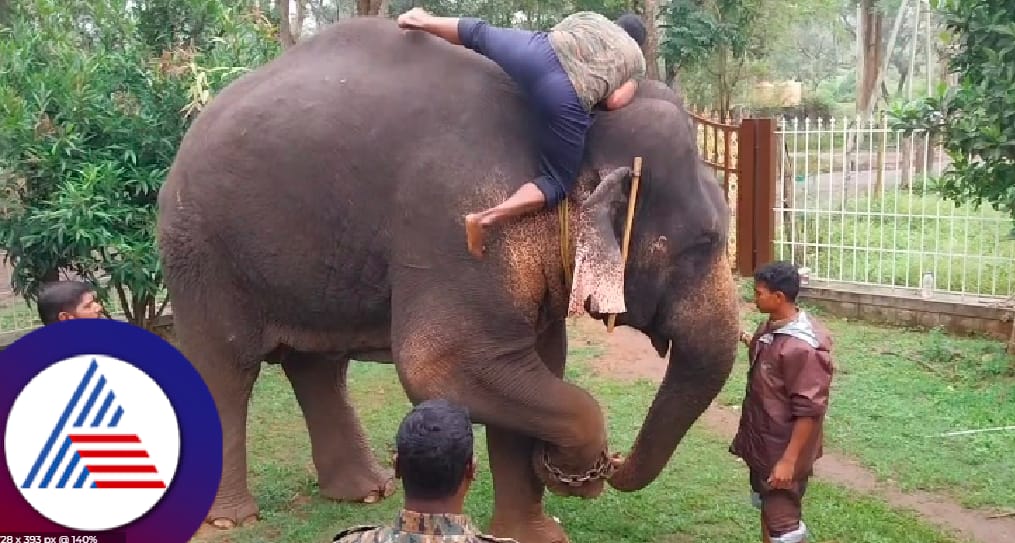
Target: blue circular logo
107,429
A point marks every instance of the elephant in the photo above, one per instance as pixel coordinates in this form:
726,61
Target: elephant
313,215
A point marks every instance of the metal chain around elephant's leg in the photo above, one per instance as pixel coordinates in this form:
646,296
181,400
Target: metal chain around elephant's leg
603,468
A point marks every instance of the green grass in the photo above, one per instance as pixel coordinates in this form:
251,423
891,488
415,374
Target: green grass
896,390
701,496
970,255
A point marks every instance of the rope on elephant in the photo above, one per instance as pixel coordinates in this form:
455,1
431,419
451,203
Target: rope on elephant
563,214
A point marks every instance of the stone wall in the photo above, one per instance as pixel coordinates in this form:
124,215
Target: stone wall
967,315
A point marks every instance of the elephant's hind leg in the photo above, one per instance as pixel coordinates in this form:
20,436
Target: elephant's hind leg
229,367
346,468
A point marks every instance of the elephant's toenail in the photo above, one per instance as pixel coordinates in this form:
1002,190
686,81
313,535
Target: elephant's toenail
223,524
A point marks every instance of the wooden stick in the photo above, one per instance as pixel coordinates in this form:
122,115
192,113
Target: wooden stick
627,228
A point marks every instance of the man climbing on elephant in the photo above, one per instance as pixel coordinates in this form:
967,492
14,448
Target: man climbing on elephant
583,63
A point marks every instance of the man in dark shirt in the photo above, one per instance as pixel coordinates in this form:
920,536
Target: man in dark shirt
780,433
584,63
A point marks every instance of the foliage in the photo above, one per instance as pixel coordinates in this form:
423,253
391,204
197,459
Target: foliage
720,40
976,118
812,51
695,29
94,100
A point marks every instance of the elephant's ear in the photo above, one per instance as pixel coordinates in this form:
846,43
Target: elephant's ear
599,266
609,191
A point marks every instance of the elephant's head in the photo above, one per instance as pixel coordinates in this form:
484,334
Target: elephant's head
678,284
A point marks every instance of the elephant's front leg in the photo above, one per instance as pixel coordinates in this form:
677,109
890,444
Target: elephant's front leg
346,468
518,493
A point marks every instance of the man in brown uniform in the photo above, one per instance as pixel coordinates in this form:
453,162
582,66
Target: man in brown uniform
780,433
585,62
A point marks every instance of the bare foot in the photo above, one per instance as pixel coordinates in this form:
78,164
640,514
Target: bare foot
474,234
542,529
617,461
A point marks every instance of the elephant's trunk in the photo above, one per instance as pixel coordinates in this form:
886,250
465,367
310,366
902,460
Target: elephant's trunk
702,352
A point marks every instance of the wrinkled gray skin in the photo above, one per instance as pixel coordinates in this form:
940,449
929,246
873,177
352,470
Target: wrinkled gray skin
314,213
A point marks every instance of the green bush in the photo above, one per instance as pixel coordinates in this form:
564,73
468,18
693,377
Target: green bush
976,118
94,100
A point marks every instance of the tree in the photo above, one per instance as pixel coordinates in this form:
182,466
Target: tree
94,99
721,38
976,118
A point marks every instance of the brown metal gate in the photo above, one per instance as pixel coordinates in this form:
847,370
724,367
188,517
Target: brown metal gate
743,158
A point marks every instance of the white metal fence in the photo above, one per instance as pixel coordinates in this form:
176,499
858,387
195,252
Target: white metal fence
856,202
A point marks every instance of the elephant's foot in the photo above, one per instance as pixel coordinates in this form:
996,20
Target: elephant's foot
541,529
360,485
226,515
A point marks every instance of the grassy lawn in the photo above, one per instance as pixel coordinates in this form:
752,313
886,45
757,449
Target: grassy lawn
896,390
701,496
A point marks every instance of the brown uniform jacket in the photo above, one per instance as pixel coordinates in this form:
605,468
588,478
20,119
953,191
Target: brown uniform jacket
790,375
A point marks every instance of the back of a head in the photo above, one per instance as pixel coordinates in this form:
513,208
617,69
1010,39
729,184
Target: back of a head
634,26
60,296
434,444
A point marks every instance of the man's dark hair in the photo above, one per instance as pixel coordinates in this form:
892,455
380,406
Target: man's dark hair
634,26
781,277
60,296
434,445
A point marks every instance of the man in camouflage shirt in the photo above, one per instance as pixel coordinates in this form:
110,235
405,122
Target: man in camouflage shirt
584,63
434,460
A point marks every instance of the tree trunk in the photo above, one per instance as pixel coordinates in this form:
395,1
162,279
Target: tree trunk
285,35
297,30
871,25
370,7
869,55
671,76
651,47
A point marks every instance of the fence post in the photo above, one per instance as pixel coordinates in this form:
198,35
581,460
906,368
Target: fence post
745,198
765,155
756,166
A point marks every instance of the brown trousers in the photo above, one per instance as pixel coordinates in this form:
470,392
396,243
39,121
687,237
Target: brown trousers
782,509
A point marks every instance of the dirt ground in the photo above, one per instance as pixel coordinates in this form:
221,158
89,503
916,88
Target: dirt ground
630,356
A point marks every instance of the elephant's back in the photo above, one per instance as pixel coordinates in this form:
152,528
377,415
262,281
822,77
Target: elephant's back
313,159
351,114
